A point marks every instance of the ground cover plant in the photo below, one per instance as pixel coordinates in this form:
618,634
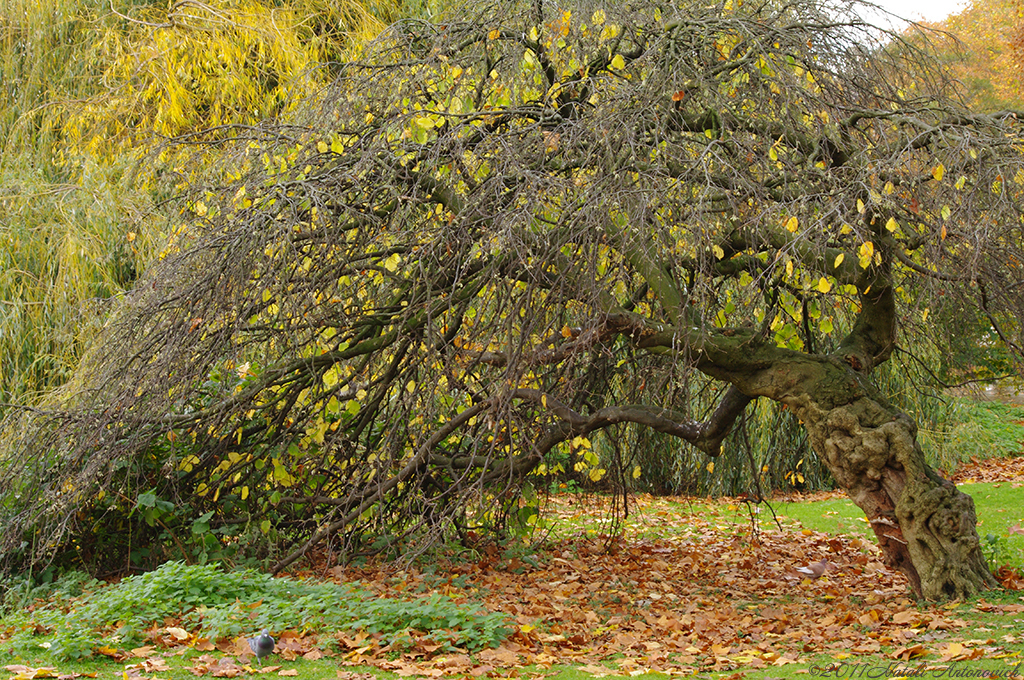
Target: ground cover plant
691,586
215,604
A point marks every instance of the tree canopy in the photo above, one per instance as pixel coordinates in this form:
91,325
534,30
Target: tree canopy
496,240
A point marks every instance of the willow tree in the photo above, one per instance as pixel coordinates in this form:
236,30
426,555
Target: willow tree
495,238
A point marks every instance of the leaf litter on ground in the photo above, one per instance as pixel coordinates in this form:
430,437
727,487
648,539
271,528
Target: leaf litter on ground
699,594
686,588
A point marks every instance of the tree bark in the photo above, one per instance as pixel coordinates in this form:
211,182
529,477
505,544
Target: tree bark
926,528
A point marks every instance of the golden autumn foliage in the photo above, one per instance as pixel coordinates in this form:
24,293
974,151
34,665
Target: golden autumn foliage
87,87
984,49
210,67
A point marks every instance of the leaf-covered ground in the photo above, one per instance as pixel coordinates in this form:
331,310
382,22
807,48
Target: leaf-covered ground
691,587
694,588
701,598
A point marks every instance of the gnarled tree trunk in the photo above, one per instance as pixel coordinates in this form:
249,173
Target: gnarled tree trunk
926,527
924,524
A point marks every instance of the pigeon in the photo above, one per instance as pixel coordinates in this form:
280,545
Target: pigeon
815,570
261,646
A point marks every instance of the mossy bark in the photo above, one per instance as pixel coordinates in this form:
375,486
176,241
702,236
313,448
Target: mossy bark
925,526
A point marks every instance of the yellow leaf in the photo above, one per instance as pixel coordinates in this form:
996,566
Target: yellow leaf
566,332
494,34
942,233
598,18
888,189
865,253
839,260
860,206
618,63
823,285
596,474
245,492
789,267
924,314
717,250
892,224
952,649
391,264
636,472
938,172
711,466
792,224
322,147
28,673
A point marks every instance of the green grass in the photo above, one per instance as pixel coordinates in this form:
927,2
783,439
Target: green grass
973,429
81,617
999,506
877,666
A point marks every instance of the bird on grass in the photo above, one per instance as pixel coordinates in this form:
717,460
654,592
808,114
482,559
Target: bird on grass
261,645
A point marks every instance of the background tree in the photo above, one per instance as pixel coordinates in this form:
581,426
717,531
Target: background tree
496,239
90,87
981,47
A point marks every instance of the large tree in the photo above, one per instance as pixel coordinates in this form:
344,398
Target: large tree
497,237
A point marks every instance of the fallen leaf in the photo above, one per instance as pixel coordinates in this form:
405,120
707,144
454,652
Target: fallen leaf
29,673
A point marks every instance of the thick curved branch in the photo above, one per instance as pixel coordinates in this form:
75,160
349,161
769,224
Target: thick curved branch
873,337
706,436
